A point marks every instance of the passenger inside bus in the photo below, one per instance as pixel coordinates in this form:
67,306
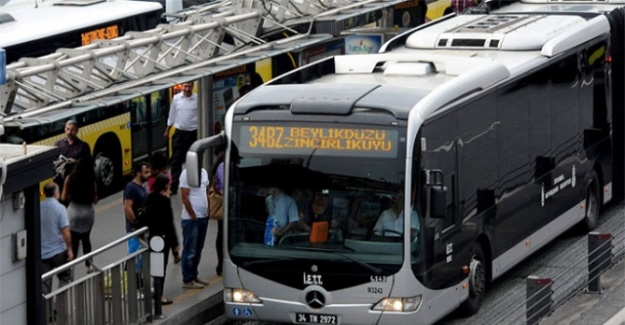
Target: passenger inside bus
390,225
318,209
283,209
316,218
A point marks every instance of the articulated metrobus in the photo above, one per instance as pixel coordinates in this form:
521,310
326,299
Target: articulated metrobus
32,28
493,130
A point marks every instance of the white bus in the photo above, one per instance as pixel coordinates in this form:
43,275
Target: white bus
33,28
494,130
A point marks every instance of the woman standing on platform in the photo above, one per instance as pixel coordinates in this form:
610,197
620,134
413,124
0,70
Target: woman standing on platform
80,190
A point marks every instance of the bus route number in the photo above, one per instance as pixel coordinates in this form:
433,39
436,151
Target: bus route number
266,137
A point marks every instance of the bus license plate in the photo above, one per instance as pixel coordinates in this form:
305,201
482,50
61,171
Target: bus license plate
316,319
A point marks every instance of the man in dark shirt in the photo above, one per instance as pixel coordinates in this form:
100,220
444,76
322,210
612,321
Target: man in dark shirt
135,195
72,149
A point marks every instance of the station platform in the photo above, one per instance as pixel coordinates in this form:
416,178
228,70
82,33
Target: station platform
195,306
191,306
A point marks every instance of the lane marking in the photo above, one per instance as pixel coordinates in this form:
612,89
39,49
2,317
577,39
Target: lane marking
99,208
617,319
192,292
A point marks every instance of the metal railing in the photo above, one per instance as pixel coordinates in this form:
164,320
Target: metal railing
117,293
582,273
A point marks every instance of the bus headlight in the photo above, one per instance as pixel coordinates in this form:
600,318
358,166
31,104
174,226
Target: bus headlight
240,296
398,304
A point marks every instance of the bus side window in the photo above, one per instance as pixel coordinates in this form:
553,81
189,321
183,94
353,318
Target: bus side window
157,109
140,109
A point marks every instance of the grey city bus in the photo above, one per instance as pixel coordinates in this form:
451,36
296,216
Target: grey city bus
494,130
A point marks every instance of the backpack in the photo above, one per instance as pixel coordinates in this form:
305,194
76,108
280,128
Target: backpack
141,216
140,213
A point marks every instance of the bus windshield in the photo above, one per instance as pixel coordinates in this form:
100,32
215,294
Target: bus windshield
325,188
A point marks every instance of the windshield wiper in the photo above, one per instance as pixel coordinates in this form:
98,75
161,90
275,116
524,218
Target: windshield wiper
366,265
266,261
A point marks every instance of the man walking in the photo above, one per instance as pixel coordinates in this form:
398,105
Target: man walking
72,149
183,116
194,225
56,243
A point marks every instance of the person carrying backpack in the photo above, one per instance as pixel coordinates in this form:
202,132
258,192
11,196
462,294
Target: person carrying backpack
135,195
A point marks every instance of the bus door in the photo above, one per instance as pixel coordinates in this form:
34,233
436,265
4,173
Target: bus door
444,239
148,116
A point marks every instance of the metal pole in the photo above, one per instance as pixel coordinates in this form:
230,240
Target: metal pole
599,259
539,301
205,114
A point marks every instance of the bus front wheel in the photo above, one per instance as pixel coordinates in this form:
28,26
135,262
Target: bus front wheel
477,281
105,172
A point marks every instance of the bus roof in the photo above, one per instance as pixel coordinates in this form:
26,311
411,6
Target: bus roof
33,20
461,55
583,8
457,45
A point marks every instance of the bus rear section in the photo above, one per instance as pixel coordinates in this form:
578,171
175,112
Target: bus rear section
445,162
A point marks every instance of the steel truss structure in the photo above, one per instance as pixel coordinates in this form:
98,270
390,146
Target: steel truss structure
195,40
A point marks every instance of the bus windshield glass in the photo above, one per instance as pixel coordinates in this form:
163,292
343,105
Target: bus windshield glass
323,188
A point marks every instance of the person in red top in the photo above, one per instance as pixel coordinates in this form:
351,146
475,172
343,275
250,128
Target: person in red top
461,5
158,165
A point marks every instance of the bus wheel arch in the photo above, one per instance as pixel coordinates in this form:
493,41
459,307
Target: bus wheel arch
107,162
592,201
479,275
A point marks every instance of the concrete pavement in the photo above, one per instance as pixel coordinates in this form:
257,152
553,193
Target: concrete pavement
595,309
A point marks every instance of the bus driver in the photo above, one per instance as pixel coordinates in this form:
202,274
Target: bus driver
391,221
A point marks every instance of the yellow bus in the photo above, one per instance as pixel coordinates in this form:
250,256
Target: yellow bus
438,8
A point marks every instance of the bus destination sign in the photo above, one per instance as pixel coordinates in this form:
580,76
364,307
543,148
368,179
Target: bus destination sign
357,142
103,33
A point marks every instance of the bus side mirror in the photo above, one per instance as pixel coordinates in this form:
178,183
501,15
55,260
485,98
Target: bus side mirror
436,193
438,206
195,156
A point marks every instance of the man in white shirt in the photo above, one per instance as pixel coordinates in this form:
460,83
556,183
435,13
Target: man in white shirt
182,116
391,221
194,224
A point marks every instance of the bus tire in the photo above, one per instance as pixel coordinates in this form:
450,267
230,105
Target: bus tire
107,170
592,202
477,281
